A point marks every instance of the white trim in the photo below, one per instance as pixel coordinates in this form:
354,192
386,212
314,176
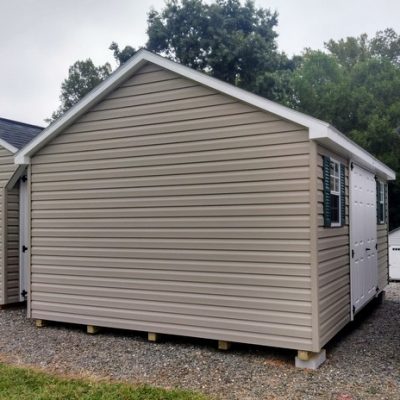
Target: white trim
318,130
23,238
8,146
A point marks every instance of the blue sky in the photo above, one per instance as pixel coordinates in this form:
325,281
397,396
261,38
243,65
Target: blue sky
40,39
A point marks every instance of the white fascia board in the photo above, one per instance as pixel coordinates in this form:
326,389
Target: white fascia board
318,130
344,146
8,146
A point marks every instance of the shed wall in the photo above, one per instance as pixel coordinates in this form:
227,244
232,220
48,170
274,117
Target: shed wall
333,264
8,279
171,208
383,256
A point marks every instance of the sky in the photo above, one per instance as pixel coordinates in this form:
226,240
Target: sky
40,39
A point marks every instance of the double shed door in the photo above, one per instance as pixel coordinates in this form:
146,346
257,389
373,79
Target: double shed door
363,237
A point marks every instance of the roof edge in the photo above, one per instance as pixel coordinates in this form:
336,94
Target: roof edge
8,146
318,130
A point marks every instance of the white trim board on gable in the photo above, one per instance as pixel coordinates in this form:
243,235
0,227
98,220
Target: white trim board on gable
8,146
319,130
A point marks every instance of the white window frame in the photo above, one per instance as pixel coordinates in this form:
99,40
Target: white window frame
381,202
335,192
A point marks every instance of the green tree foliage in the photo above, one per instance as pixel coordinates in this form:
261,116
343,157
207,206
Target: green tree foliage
122,56
356,87
354,84
232,41
83,76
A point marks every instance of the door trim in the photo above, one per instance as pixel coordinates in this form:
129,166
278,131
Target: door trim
23,238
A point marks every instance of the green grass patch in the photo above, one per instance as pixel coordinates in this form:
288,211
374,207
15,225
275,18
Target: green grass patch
24,383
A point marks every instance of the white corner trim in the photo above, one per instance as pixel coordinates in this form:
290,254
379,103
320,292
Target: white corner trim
318,130
8,146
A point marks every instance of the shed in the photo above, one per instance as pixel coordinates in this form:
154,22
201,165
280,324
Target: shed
394,254
13,136
170,202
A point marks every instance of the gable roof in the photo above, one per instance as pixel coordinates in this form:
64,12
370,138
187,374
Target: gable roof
14,135
319,130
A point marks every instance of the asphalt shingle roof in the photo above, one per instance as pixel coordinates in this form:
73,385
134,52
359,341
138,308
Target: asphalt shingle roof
18,133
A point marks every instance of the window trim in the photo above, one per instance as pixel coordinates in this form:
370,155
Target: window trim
337,193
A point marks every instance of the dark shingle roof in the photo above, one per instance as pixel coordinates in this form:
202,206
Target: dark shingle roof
17,133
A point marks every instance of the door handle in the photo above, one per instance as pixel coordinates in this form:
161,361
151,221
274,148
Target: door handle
367,249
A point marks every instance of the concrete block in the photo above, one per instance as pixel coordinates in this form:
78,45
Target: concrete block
313,362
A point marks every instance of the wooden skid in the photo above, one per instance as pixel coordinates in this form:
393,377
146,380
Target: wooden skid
224,345
40,323
92,330
153,337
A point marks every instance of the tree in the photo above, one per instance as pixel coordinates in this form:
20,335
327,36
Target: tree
356,87
83,76
122,56
233,42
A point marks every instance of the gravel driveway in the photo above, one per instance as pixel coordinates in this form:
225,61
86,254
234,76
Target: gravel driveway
363,361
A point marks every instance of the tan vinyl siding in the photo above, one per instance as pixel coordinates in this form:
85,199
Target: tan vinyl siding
8,278
13,245
171,208
383,257
333,265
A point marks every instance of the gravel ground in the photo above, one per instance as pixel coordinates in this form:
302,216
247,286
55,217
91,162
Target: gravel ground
363,360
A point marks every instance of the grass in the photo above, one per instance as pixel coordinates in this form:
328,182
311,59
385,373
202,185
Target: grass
23,384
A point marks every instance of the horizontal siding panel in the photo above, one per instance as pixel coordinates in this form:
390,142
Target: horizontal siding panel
172,94
238,162
209,333
163,243
244,314
260,131
287,198
116,189
164,117
206,211
203,222
189,103
264,268
288,281
247,124
164,317
212,150
269,292
175,233
216,255
197,299
172,180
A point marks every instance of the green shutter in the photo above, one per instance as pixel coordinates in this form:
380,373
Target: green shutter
342,194
327,191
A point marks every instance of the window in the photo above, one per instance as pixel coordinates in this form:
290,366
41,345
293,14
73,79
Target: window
380,188
334,193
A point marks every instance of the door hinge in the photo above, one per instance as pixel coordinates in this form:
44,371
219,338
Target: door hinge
376,246
351,166
24,249
24,178
352,253
24,293
354,309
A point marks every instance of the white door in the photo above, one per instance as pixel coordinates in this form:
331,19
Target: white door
363,237
394,262
23,241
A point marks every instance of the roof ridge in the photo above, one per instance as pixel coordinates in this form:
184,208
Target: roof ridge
21,123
